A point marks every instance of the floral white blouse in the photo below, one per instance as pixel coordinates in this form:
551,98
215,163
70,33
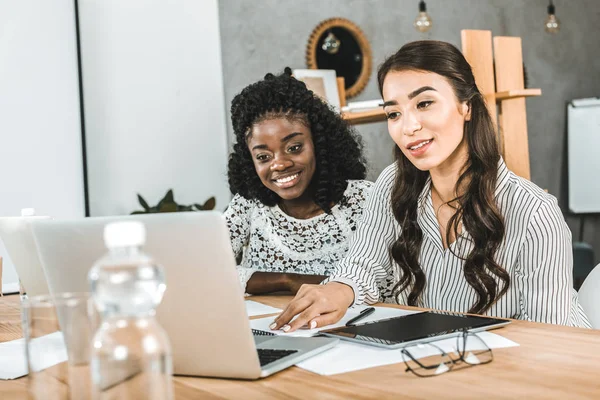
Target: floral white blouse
272,241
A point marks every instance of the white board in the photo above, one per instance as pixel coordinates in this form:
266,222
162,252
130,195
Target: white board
584,155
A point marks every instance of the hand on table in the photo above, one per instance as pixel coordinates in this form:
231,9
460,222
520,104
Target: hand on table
315,305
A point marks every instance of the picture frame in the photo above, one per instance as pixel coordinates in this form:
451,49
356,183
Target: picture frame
323,82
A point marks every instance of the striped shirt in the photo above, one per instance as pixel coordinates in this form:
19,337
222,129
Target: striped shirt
536,252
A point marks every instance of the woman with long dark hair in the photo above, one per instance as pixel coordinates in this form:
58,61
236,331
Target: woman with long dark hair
448,226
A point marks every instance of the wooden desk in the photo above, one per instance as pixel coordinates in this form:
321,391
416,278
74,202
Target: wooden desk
552,362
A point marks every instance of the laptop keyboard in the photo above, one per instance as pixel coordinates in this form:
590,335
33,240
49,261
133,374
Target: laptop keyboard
267,356
258,332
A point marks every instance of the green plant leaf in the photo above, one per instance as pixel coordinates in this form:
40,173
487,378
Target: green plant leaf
168,207
143,202
209,204
169,197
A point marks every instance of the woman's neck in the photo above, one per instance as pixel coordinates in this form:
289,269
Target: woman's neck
300,209
445,176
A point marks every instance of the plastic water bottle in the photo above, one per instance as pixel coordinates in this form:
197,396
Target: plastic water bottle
131,355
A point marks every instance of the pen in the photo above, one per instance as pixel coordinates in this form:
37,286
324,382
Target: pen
363,313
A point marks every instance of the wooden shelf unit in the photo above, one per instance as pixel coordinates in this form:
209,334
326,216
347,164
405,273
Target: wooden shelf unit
498,68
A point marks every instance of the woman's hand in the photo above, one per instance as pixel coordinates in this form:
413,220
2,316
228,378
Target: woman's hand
315,305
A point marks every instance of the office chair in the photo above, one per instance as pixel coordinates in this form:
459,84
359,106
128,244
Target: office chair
589,296
583,262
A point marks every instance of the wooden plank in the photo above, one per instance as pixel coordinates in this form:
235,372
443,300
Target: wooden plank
513,94
477,49
341,85
513,113
364,117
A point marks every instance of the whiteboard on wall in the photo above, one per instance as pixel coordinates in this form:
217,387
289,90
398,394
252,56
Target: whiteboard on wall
40,126
584,155
154,103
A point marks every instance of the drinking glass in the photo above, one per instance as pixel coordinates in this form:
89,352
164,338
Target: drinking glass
58,332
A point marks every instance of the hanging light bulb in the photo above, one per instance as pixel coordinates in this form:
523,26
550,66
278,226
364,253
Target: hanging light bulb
552,24
423,22
331,44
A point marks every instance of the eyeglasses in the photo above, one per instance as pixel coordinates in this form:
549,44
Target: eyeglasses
429,359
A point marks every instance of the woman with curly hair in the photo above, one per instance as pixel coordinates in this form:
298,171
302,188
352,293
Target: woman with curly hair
297,172
448,226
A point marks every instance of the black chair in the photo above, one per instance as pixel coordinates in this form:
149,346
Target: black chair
583,262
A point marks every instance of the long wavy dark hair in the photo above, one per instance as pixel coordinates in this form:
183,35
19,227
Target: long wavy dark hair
476,205
338,150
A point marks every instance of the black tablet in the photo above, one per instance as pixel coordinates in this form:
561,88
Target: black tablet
413,328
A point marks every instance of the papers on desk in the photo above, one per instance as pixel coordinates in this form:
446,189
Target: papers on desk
380,313
254,308
13,363
348,356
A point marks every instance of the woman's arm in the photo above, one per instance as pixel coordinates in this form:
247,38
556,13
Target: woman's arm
358,276
368,261
544,274
237,215
268,282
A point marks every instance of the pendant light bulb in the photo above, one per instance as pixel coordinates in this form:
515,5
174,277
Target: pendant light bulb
423,21
552,24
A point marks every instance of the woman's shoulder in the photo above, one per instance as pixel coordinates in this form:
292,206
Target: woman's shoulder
528,193
524,201
241,205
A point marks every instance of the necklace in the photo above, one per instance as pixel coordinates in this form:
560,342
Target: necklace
444,203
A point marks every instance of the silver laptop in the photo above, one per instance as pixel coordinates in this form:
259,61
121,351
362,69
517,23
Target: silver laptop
20,246
203,310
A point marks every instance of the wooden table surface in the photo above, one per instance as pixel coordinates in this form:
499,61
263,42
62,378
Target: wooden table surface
551,362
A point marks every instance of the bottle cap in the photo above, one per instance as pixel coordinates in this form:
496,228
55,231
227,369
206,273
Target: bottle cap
27,212
124,234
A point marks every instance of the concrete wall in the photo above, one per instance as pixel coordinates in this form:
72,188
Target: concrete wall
266,36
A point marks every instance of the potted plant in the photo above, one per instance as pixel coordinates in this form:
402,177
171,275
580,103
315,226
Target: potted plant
168,204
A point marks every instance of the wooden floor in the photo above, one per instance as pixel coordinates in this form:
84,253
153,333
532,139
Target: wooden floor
552,362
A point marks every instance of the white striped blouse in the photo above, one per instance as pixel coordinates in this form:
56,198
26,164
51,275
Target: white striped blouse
536,252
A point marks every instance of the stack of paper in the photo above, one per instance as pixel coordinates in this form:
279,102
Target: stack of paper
362,105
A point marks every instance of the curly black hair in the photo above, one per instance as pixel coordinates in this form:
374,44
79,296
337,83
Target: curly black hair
338,150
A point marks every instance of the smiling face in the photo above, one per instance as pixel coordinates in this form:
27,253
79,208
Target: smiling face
425,119
284,156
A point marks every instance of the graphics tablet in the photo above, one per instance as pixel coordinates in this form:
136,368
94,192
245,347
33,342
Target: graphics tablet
413,328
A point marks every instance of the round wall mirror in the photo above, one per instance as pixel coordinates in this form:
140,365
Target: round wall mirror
339,44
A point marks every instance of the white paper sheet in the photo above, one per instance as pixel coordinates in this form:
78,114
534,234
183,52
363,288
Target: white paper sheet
348,356
379,314
254,308
12,355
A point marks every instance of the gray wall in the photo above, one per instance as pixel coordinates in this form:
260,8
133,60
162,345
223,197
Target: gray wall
267,35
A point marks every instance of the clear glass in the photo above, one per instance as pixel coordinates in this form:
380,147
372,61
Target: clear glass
58,333
131,355
429,359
